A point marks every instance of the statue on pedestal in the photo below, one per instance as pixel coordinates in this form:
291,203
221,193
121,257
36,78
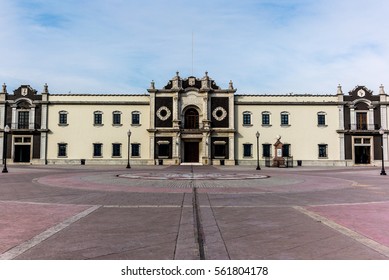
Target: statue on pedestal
278,160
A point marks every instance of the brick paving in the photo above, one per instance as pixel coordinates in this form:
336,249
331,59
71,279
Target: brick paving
109,212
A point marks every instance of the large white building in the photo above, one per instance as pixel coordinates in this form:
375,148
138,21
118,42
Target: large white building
192,120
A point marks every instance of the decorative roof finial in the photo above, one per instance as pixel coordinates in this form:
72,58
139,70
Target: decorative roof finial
231,85
46,88
382,90
152,85
339,89
206,73
177,73
4,88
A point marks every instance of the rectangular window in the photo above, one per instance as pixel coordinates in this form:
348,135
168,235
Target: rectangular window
321,119
24,119
116,150
220,151
247,150
135,118
63,118
361,120
323,150
117,119
135,150
266,150
265,119
62,150
98,118
286,150
284,119
97,150
163,150
246,119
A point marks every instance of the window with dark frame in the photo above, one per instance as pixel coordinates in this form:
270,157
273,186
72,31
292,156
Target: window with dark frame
97,150
265,119
247,150
98,118
117,118
266,150
286,150
323,150
63,118
135,118
284,118
62,149
246,118
220,151
321,119
135,150
163,150
24,119
116,150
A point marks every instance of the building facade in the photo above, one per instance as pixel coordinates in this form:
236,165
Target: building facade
193,120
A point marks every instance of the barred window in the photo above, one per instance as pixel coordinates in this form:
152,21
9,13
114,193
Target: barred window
284,118
62,149
63,118
98,118
117,118
246,118
265,118
321,119
323,150
135,118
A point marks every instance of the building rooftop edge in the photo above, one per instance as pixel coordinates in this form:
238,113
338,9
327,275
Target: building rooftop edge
98,94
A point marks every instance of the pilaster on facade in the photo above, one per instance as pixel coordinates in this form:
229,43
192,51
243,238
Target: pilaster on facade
341,147
353,120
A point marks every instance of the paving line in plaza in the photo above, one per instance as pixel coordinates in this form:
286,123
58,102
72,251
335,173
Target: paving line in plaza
23,247
346,231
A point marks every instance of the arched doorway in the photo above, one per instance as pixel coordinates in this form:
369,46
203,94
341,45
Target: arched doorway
191,119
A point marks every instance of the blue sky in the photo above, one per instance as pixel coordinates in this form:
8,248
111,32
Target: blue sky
263,46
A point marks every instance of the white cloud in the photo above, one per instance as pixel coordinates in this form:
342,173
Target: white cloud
120,46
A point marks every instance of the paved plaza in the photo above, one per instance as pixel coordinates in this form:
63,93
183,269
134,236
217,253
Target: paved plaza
193,212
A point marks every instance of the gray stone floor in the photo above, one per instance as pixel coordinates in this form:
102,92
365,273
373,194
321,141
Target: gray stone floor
193,212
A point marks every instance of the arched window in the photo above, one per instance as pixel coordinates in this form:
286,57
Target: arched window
117,118
191,119
98,118
285,119
266,118
321,118
135,118
246,118
63,117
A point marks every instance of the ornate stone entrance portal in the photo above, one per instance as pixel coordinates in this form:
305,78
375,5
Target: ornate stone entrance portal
191,151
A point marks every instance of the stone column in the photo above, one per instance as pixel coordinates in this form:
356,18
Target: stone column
341,117
353,121
341,147
14,120
371,123
31,125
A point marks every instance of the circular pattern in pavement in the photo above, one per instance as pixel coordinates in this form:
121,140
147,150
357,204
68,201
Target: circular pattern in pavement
191,176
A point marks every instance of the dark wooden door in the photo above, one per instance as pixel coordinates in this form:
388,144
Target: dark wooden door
191,153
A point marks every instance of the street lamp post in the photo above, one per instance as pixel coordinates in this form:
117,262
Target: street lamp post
6,131
129,144
257,135
381,131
